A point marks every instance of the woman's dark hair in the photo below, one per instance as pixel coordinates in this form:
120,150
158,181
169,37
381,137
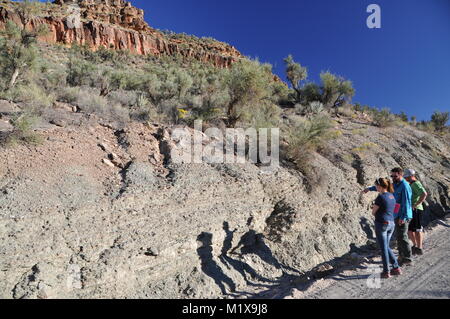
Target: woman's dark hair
386,184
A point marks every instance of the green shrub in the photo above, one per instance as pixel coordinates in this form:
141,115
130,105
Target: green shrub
32,96
440,120
347,158
346,111
50,76
403,117
80,72
383,118
249,83
357,107
364,147
426,126
302,140
18,51
23,130
90,102
359,131
125,98
305,137
310,93
336,91
68,94
265,116
316,108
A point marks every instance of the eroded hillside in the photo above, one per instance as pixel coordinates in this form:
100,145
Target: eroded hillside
101,212
93,205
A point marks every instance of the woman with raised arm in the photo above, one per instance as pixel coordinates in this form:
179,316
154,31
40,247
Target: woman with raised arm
383,211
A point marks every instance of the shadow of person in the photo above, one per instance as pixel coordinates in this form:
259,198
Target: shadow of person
243,268
253,243
367,228
440,222
210,267
342,277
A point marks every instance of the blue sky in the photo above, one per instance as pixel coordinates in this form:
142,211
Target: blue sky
405,65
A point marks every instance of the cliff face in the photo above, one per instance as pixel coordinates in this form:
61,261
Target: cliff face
76,225
117,25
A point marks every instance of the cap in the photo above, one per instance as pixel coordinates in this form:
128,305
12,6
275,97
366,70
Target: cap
409,173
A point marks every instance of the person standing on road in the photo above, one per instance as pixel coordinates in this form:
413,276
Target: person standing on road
383,210
403,214
419,195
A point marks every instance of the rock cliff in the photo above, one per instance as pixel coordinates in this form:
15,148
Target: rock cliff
98,211
124,221
117,25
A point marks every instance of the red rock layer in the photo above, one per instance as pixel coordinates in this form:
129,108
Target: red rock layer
117,25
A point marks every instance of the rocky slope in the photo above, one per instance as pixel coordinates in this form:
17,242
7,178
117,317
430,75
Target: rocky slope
117,25
96,212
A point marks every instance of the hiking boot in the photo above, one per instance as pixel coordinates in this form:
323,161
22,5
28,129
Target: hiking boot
405,262
414,250
396,272
385,275
419,251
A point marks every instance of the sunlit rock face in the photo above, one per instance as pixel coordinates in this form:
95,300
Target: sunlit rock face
117,25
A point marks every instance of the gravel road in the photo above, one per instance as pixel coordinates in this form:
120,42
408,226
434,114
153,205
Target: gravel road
428,277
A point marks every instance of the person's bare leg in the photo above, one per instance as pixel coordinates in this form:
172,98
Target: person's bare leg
412,237
419,239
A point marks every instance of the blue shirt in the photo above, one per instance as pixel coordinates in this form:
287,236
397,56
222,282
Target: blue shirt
386,203
403,196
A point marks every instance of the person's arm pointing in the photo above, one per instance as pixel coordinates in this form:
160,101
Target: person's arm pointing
369,189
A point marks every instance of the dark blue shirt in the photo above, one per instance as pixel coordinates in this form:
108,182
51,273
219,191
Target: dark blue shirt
386,203
403,195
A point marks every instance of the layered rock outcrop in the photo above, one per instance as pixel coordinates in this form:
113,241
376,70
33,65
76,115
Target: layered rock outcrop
124,221
118,12
117,25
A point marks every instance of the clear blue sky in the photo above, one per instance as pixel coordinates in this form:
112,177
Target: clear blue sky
405,65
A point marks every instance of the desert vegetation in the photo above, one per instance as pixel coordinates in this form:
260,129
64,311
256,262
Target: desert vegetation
121,87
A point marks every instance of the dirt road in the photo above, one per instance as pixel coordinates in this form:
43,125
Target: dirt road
428,277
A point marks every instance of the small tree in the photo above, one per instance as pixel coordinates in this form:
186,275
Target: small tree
17,44
17,52
335,90
403,116
249,84
311,92
295,74
163,83
439,120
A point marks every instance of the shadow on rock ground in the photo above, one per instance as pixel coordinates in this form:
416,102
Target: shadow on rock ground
250,243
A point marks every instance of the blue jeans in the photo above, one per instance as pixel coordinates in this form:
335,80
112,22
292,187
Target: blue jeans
384,234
